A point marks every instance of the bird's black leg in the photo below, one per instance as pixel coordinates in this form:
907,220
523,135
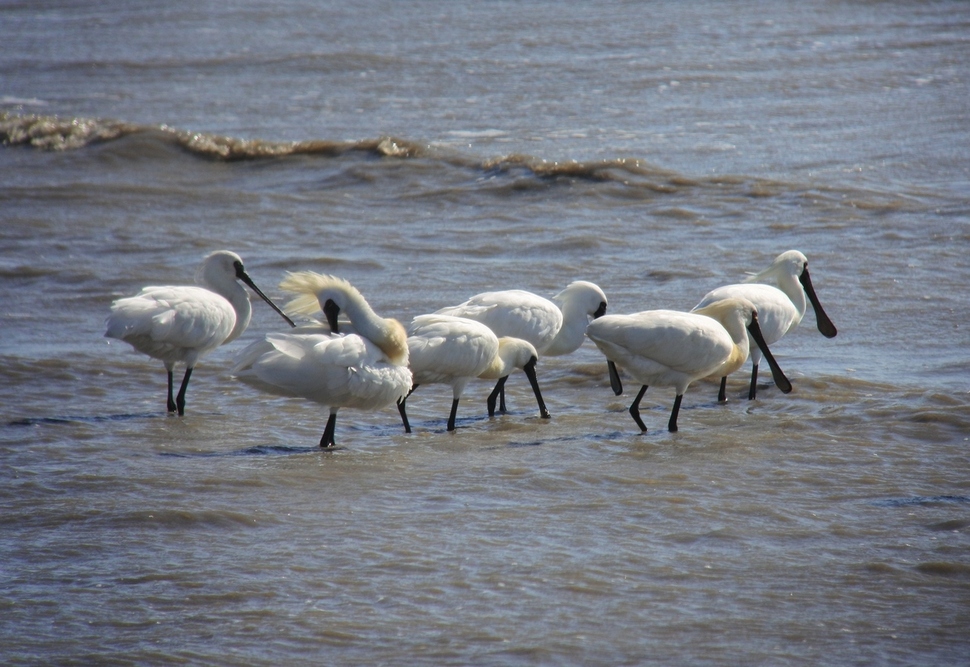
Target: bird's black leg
753,390
451,417
499,389
722,392
672,424
180,399
635,409
404,414
171,400
327,440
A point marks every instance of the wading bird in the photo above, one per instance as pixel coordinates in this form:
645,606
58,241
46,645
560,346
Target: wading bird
181,324
780,309
520,314
454,350
366,370
672,348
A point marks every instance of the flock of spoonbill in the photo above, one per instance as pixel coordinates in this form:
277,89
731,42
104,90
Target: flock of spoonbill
552,331
369,362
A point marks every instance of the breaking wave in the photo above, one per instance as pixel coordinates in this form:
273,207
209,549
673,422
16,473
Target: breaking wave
633,176
59,134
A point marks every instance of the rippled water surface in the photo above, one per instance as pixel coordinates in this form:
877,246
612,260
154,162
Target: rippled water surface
427,152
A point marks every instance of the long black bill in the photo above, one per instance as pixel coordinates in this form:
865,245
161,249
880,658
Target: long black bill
615,383
825,326
332,311
243,276
776,373
530,372
601,311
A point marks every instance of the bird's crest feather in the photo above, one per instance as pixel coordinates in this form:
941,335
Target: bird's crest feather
308,287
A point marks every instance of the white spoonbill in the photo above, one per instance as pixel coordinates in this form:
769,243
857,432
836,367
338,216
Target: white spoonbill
181,324
672,349
520,314
780,309
453,350
366,370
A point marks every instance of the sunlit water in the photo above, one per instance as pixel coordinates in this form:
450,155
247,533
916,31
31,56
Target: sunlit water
427,152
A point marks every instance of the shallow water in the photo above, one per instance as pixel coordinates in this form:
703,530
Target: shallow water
428,152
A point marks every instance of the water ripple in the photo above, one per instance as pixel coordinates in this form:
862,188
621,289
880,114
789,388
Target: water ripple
924,501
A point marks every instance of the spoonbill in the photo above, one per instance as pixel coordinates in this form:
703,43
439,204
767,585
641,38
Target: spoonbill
181,324
521,314
453,350
672,348
366,370
780,309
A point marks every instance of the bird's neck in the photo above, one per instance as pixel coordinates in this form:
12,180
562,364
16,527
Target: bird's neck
502,364
238,297
738,333
571,333
794,291
386,333
724,313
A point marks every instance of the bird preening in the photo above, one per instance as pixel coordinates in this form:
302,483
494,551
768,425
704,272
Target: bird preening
365,370
351,357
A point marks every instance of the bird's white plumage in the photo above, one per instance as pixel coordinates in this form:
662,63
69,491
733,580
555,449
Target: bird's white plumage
334,370
180,324
173,324
672,348
512,353
515,313
449,350
552,330
534,319
366,370
314,292
665,348
780,309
